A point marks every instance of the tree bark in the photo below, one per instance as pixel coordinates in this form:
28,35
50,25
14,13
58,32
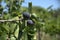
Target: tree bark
58,36
38,34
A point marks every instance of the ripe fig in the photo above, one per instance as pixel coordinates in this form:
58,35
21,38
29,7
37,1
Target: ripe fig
30,22
26,15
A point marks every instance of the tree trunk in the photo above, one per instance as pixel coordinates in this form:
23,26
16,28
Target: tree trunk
38,34
58,36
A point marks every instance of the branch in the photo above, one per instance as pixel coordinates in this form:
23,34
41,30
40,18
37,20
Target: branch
10,20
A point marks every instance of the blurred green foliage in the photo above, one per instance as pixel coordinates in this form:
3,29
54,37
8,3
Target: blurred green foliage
48,20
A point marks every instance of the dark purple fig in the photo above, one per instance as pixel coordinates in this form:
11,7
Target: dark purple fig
26,15
30,22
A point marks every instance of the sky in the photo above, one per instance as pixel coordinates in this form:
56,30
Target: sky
42,3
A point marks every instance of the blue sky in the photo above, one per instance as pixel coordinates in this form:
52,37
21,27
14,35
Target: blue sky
42,3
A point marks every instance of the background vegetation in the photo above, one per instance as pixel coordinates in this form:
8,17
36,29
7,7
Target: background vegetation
46,22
